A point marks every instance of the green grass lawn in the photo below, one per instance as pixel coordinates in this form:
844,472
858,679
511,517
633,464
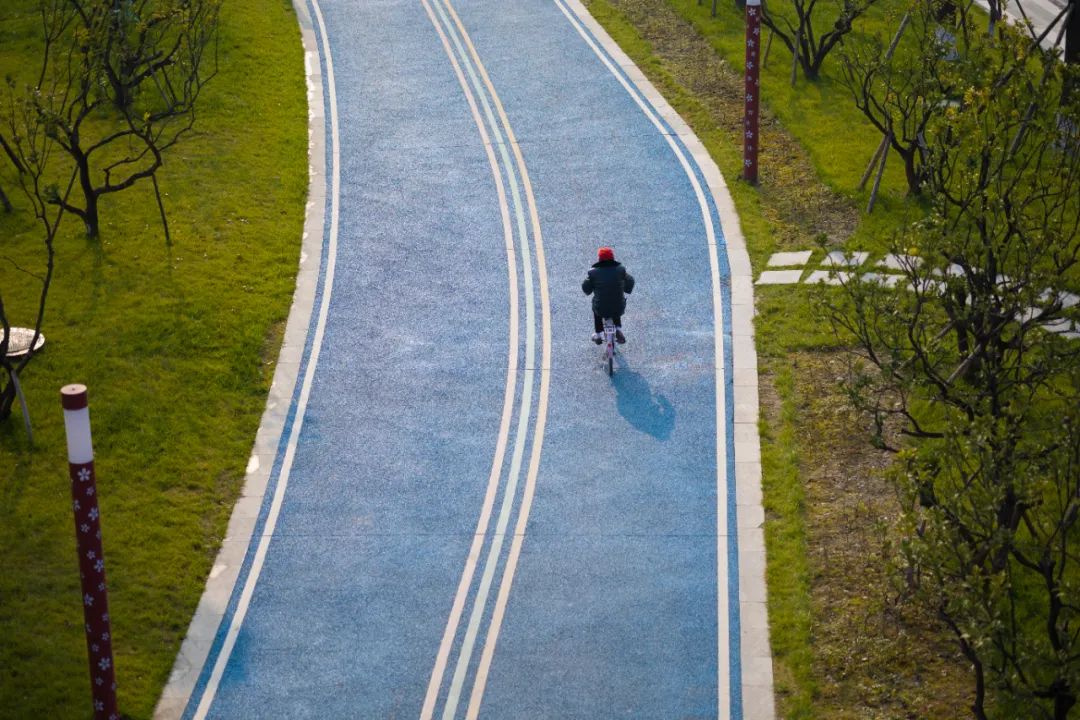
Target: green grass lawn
176,345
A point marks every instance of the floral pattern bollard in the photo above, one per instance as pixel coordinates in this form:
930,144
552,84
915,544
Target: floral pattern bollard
91,558
753,91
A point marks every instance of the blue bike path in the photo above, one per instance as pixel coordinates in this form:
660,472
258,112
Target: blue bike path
475,519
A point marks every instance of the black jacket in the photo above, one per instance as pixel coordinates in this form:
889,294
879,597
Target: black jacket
606,282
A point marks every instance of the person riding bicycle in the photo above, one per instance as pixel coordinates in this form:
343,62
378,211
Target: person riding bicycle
606,281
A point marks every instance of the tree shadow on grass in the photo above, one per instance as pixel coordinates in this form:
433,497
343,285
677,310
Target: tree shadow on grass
651,413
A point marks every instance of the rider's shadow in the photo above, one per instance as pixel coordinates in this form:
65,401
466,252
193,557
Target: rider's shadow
647,411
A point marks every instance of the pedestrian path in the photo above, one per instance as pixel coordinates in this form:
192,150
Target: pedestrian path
451,510
903,271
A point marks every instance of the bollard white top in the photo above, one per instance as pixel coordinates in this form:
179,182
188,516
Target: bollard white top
754,3
77,424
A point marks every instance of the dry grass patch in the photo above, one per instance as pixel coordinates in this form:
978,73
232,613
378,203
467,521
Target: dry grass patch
874,655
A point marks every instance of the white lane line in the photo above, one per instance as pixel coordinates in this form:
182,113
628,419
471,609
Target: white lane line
491,640
723,640
435,683
480,602
305,392
513,478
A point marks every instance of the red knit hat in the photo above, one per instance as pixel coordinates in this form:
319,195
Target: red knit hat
605,253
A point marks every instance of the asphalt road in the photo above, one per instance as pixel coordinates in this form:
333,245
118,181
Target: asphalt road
473,518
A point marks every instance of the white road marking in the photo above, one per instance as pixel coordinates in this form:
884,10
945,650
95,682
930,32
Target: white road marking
480,682
480,602
305,392
435,682
510,492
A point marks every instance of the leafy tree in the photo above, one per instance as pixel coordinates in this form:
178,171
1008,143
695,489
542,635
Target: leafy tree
969,356
117,87
902,89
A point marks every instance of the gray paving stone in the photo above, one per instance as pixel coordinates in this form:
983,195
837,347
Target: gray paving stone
893,261
887,280
826,277
751,540
758,703
757,666
750,515
170,707
745,357
746,377
746,411
755,615
742,325
746,492
1059,326
783,259
779,277
740,262
755,562
839,258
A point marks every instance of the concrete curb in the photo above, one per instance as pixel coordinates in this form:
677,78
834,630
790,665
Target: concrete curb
757,672
223,576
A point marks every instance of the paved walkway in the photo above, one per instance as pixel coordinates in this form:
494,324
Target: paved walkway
1041,13
451,510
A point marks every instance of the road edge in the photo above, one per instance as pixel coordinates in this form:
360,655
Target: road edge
757,668
225,571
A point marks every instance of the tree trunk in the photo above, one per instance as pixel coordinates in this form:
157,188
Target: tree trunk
4,201
12,156
1072,35
1072,48
978,706
914,181
90,197
995,16
1063,703
7,398
90,219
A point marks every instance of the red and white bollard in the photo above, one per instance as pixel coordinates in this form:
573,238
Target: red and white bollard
753,91
91,557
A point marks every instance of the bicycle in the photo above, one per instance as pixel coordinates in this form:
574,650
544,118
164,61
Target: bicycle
609,345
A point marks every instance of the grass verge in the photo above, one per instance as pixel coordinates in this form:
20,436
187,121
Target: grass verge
177,345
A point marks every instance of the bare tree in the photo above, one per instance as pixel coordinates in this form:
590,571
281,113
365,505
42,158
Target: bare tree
798,33
118,86
32,153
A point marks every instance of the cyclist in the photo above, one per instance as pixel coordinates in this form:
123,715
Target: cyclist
606,281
